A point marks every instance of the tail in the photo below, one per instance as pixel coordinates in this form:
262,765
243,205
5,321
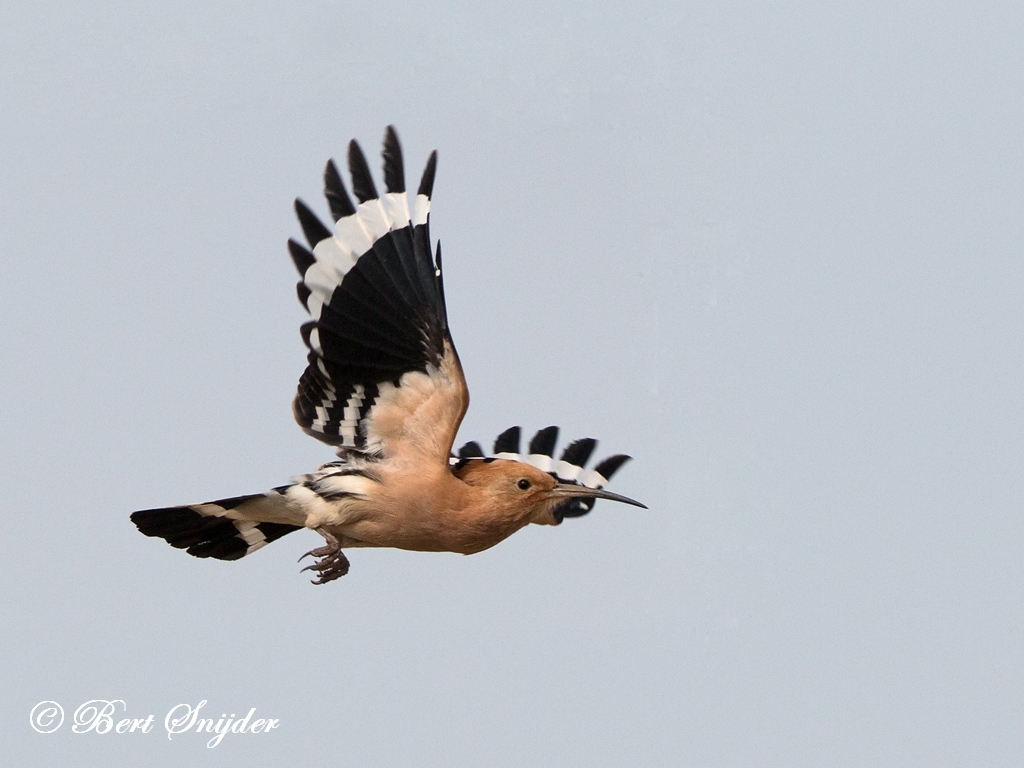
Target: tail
227,529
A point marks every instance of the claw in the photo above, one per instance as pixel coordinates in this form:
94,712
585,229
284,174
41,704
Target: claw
324,551
329,570
331,563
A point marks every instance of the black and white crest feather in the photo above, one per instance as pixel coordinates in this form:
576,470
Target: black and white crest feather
373,291
570,467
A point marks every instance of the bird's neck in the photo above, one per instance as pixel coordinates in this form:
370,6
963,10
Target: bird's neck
453,515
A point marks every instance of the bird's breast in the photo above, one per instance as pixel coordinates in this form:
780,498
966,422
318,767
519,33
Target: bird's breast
440,516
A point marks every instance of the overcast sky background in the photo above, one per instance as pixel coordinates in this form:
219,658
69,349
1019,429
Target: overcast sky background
773,252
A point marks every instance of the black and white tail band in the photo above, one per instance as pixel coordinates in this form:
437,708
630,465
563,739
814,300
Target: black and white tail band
215,529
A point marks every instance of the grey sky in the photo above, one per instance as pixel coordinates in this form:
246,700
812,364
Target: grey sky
774,253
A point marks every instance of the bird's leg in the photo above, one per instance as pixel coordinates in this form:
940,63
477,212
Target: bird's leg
331,563
330,548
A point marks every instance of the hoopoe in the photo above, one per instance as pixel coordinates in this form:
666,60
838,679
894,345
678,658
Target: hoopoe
384,386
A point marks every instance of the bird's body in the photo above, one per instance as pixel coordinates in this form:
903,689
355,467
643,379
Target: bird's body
384,385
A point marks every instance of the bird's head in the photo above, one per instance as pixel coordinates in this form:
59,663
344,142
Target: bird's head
529,493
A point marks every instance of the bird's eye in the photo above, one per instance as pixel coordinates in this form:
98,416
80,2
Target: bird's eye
524,484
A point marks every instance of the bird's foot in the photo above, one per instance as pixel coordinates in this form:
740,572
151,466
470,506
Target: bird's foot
331,562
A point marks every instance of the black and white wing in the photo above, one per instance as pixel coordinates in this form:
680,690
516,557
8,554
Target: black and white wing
383,376
569,468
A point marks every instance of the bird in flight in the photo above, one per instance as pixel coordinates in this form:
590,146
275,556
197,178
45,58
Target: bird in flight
384,386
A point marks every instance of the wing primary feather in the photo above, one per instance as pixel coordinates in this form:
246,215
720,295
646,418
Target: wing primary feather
399,264
427,181
366,321
340,344
439,276
421,219
312,227
392,285
301,256
305,330
357,300
394,168
334,191
362,181
420,274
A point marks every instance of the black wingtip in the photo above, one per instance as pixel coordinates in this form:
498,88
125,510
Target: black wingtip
301,256
334,191
508,441
362,181
394,167
544,441
306,330
312,227
427,182
439,273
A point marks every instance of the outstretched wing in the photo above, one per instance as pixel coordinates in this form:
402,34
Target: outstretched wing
383,376
570,468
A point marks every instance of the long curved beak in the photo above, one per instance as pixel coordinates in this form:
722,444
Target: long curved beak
567,490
